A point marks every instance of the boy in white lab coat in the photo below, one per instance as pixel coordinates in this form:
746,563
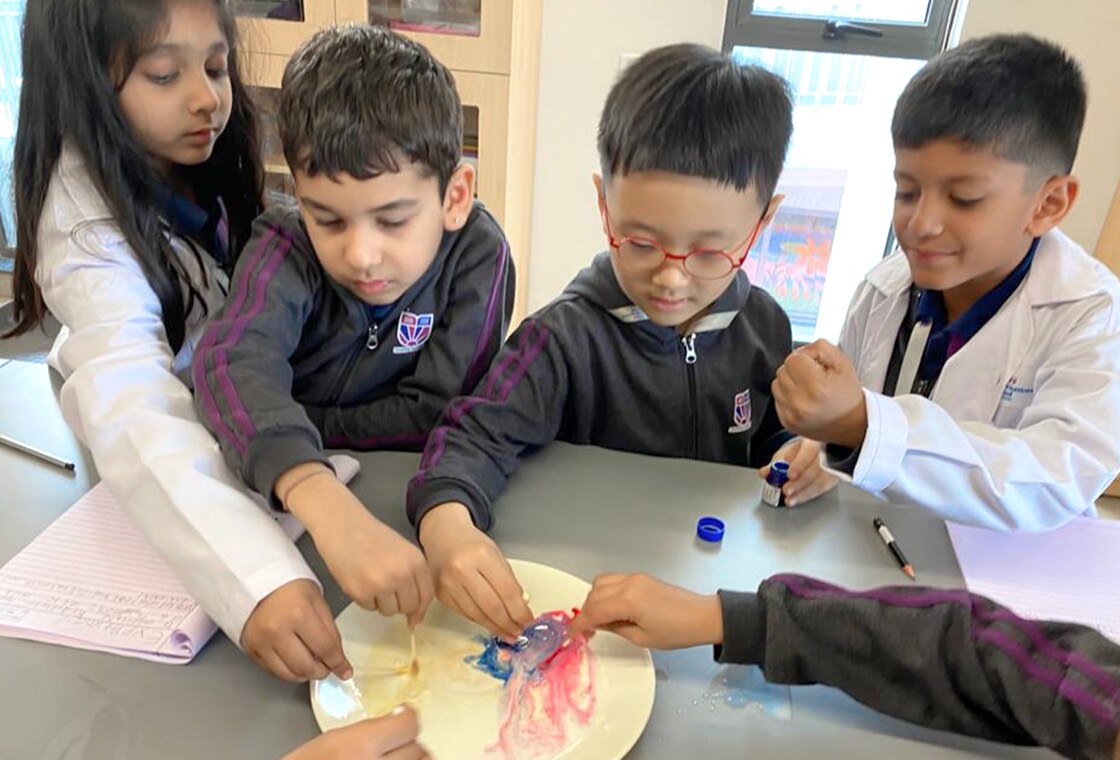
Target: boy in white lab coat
978,372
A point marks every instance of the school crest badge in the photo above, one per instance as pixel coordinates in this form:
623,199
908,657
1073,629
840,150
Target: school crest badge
741,412
413,331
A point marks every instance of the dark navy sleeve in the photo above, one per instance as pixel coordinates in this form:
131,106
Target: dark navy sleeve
949,660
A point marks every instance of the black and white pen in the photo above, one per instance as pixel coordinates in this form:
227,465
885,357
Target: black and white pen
888,539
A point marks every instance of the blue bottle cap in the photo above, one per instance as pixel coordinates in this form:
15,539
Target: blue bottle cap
710,529
779,473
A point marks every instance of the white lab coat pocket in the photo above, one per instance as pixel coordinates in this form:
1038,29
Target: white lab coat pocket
1015,398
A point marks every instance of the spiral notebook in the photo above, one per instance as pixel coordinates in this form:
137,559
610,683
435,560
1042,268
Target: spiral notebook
92,581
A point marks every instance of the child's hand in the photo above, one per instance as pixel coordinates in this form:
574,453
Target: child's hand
818,395
373,564
291,634
471,574
807,479
390,737
649,613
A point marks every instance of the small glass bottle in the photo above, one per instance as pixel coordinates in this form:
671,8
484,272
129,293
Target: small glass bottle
772,488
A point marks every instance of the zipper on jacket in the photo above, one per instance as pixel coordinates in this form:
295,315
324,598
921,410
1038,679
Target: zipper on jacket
368,344
689,343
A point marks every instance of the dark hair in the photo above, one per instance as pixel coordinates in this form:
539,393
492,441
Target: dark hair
1020,96
360,99
688,109
76,56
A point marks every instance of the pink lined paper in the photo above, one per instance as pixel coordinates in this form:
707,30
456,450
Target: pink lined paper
1067,574
92,581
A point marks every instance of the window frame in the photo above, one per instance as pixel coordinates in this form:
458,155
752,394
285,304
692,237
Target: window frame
743,27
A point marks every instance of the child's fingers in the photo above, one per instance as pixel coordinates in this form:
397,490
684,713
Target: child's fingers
326,648
425,593
479,599
460,602
299,659
412,751
801,366
408,597
275,664
397,730
823,353
829,355
326,643
505,606
595,609
604,607
804,457
386,603
818,484
501,578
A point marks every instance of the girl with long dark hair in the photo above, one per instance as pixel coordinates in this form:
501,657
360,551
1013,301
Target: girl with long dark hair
137,178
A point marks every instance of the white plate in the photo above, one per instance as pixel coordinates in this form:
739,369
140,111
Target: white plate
459,706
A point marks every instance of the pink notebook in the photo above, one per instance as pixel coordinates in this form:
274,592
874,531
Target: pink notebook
92,581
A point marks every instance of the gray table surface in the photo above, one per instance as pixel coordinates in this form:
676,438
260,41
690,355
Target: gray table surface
580,509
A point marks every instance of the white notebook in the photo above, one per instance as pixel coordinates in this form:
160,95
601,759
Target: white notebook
92,581
1067,574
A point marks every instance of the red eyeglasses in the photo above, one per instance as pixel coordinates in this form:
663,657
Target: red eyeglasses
642,253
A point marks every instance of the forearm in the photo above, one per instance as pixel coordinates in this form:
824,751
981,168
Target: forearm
944,659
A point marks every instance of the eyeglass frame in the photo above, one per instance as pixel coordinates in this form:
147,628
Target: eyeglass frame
616,244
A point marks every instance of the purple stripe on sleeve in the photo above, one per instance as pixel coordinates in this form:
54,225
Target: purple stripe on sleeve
372,443
210,338
810,588
221,359
480,361
1101,679
530,345
1055,680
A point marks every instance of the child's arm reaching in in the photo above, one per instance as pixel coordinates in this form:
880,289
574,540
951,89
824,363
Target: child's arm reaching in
389,737
475,578
1035,476
374,565
944,659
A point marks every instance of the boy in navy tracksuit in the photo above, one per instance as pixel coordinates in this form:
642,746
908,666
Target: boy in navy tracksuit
353,319
660,347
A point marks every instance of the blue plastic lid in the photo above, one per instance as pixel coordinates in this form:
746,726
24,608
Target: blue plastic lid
779,473
710,529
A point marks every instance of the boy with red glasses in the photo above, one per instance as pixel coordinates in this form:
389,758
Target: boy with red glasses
660,347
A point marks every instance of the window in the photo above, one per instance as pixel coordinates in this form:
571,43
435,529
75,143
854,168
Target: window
11,19
847,62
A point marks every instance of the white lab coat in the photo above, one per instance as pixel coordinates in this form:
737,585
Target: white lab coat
126,399
1022,430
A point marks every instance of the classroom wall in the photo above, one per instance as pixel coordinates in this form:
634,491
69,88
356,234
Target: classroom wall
581,47
582,42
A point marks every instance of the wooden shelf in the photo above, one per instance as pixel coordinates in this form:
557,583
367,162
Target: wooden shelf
495,72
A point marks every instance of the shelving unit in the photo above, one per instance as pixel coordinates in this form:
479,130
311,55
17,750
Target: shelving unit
491,48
